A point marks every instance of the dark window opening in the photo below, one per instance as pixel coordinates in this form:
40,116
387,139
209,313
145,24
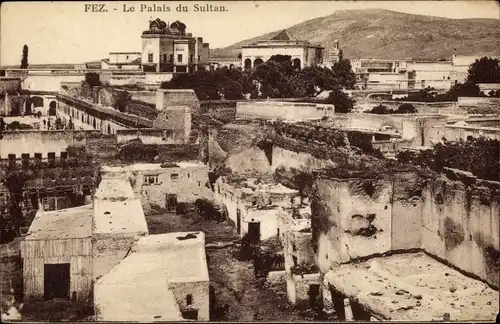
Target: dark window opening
189,299
150,58
179,57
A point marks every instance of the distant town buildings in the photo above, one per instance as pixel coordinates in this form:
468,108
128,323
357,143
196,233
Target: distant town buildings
303,53
408,74
169,48
122,61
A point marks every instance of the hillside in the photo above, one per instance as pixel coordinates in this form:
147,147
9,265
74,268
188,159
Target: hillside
381,33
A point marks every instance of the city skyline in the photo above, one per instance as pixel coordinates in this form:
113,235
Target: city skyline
61,32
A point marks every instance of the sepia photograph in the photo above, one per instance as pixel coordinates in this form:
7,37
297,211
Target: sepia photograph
250,161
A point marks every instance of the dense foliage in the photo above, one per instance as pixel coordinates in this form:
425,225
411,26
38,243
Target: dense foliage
24,60
315,133
484,70
476,155
276,78
405,108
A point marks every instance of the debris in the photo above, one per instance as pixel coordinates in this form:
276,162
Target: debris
377,293
401,292
453,289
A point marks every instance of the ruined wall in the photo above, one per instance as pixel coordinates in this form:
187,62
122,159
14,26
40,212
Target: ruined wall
235,146
461,225
298,160
297,287
361,217
352,218
248,161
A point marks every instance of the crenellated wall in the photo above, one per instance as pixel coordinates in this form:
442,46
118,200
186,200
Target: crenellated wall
37,141
355,217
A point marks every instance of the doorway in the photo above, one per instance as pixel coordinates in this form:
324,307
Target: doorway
313,295
171,202
238,221
56,281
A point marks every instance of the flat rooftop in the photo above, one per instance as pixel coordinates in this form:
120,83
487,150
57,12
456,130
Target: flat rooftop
67,223
171,257
115,189
142,301
415,287
119,217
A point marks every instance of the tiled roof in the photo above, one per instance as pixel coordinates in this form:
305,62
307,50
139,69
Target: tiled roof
284,36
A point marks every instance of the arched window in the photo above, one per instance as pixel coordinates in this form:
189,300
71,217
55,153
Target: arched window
257,62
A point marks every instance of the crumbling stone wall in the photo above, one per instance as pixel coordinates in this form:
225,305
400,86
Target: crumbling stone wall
351,219
460,224
455,220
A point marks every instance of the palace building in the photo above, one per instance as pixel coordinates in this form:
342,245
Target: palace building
303,53
168,48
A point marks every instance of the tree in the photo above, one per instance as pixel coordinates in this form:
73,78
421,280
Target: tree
24,60
380,109
406,108
343,74
15,182
467,89
484,70
122,100
273,80
343,104
92,79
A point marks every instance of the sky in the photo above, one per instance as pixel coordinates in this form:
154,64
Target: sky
62,32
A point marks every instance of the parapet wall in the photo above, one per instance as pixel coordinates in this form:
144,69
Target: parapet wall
356,217
38,141
282,110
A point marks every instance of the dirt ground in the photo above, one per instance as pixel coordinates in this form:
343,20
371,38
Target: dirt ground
248,298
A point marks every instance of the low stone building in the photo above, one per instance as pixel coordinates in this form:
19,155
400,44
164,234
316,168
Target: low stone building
57,255
168,185
303,282
250,200
164,278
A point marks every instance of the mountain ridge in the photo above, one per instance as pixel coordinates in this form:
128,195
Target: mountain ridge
381,33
